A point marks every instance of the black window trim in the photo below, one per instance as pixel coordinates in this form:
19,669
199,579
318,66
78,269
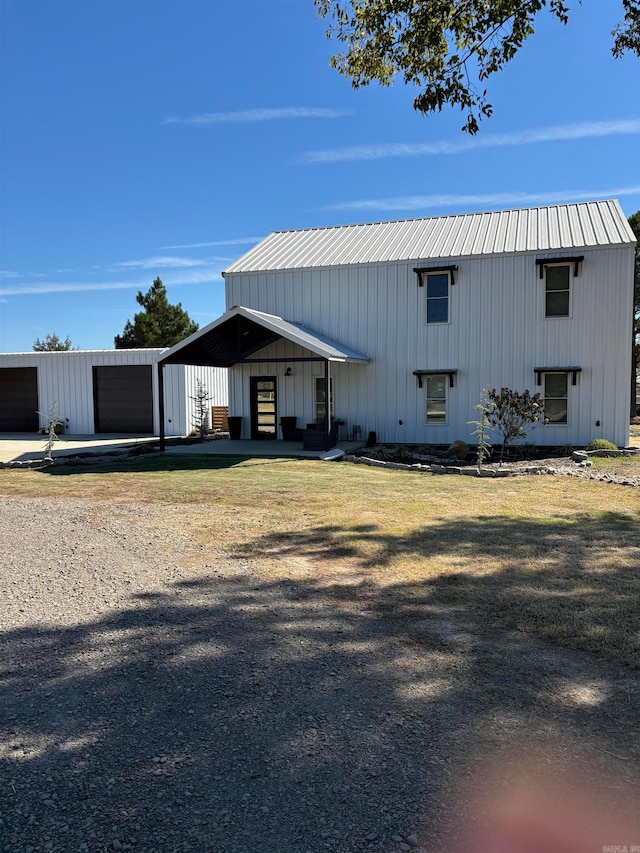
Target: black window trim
573,370
450,373
556,262
450,269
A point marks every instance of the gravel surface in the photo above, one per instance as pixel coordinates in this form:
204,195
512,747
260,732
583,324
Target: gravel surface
157,696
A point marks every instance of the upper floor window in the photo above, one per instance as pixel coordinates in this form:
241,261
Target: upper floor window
557,290
437,297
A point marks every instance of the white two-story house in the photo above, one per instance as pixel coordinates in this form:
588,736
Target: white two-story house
397,327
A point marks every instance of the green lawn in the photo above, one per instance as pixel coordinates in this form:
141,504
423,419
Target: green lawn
557,557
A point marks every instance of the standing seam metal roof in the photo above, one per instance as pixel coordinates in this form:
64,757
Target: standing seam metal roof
557,227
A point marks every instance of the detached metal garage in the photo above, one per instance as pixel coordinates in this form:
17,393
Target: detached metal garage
102,391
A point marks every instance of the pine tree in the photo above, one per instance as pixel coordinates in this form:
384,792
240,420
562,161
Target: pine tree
160,324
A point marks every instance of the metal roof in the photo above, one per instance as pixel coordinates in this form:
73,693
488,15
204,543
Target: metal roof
79,352
242,332
557,227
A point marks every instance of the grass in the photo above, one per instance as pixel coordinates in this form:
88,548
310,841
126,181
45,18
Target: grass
555,557
624,466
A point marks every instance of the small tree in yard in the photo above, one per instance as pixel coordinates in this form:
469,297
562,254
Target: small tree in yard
51,429
201,408
481,431
511,413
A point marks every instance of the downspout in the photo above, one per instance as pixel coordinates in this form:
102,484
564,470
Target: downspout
161,404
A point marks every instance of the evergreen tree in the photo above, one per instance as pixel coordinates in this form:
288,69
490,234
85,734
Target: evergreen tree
160,324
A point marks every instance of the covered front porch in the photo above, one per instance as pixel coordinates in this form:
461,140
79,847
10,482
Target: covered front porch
281,378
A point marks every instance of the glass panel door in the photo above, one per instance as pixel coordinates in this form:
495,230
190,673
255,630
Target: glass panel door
263,407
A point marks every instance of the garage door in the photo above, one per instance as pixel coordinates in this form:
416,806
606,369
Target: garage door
18,399
123,399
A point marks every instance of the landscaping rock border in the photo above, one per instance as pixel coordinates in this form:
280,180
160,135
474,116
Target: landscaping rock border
578,465
565,466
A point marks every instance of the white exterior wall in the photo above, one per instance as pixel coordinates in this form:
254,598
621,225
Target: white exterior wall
181,382
496,335
67,379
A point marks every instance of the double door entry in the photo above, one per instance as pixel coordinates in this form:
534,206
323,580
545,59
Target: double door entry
264,421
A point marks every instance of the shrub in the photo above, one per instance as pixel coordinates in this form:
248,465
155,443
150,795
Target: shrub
512,413
601,444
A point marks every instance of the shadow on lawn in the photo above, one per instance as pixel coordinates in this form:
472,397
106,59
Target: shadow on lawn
162,462
232,712
574,580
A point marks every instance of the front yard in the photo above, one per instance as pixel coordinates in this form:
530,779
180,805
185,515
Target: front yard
553,557
259,655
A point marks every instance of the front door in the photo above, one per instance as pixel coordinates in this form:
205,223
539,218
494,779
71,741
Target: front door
263,407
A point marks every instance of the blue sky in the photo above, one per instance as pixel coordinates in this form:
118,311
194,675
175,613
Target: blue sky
142,138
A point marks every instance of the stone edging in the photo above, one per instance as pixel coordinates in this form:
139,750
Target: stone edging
579,467
570,469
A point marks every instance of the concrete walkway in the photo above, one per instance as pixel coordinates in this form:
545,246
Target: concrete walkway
24,446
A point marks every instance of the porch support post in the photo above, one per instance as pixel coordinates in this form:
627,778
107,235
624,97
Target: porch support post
327,405
161,404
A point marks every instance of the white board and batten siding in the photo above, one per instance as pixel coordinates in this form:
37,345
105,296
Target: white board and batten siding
66,378
180,389
496,335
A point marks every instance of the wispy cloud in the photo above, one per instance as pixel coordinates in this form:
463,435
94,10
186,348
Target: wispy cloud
250,116
9,274
237,242
423,202
555,133
29,289
164,262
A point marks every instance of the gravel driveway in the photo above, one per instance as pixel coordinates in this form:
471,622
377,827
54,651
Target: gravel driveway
157,696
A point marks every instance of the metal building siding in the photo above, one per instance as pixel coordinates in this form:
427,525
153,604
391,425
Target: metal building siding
67,379
215,381
497,334
556,227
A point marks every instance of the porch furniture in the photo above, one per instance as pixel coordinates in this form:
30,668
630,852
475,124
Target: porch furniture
290,432
315,439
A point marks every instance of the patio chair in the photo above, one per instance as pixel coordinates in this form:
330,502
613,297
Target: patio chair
315,439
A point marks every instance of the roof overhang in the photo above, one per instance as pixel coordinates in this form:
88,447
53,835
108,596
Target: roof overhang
241,332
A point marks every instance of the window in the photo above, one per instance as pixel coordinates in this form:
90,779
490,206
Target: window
321,399
438,297
556,291
556,392
436,399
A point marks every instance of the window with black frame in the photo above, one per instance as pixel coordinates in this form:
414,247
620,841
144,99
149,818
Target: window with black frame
321,399
556,398
437,287
557,290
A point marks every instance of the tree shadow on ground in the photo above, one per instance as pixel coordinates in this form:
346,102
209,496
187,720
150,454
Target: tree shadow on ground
237,713
163,463
574,580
